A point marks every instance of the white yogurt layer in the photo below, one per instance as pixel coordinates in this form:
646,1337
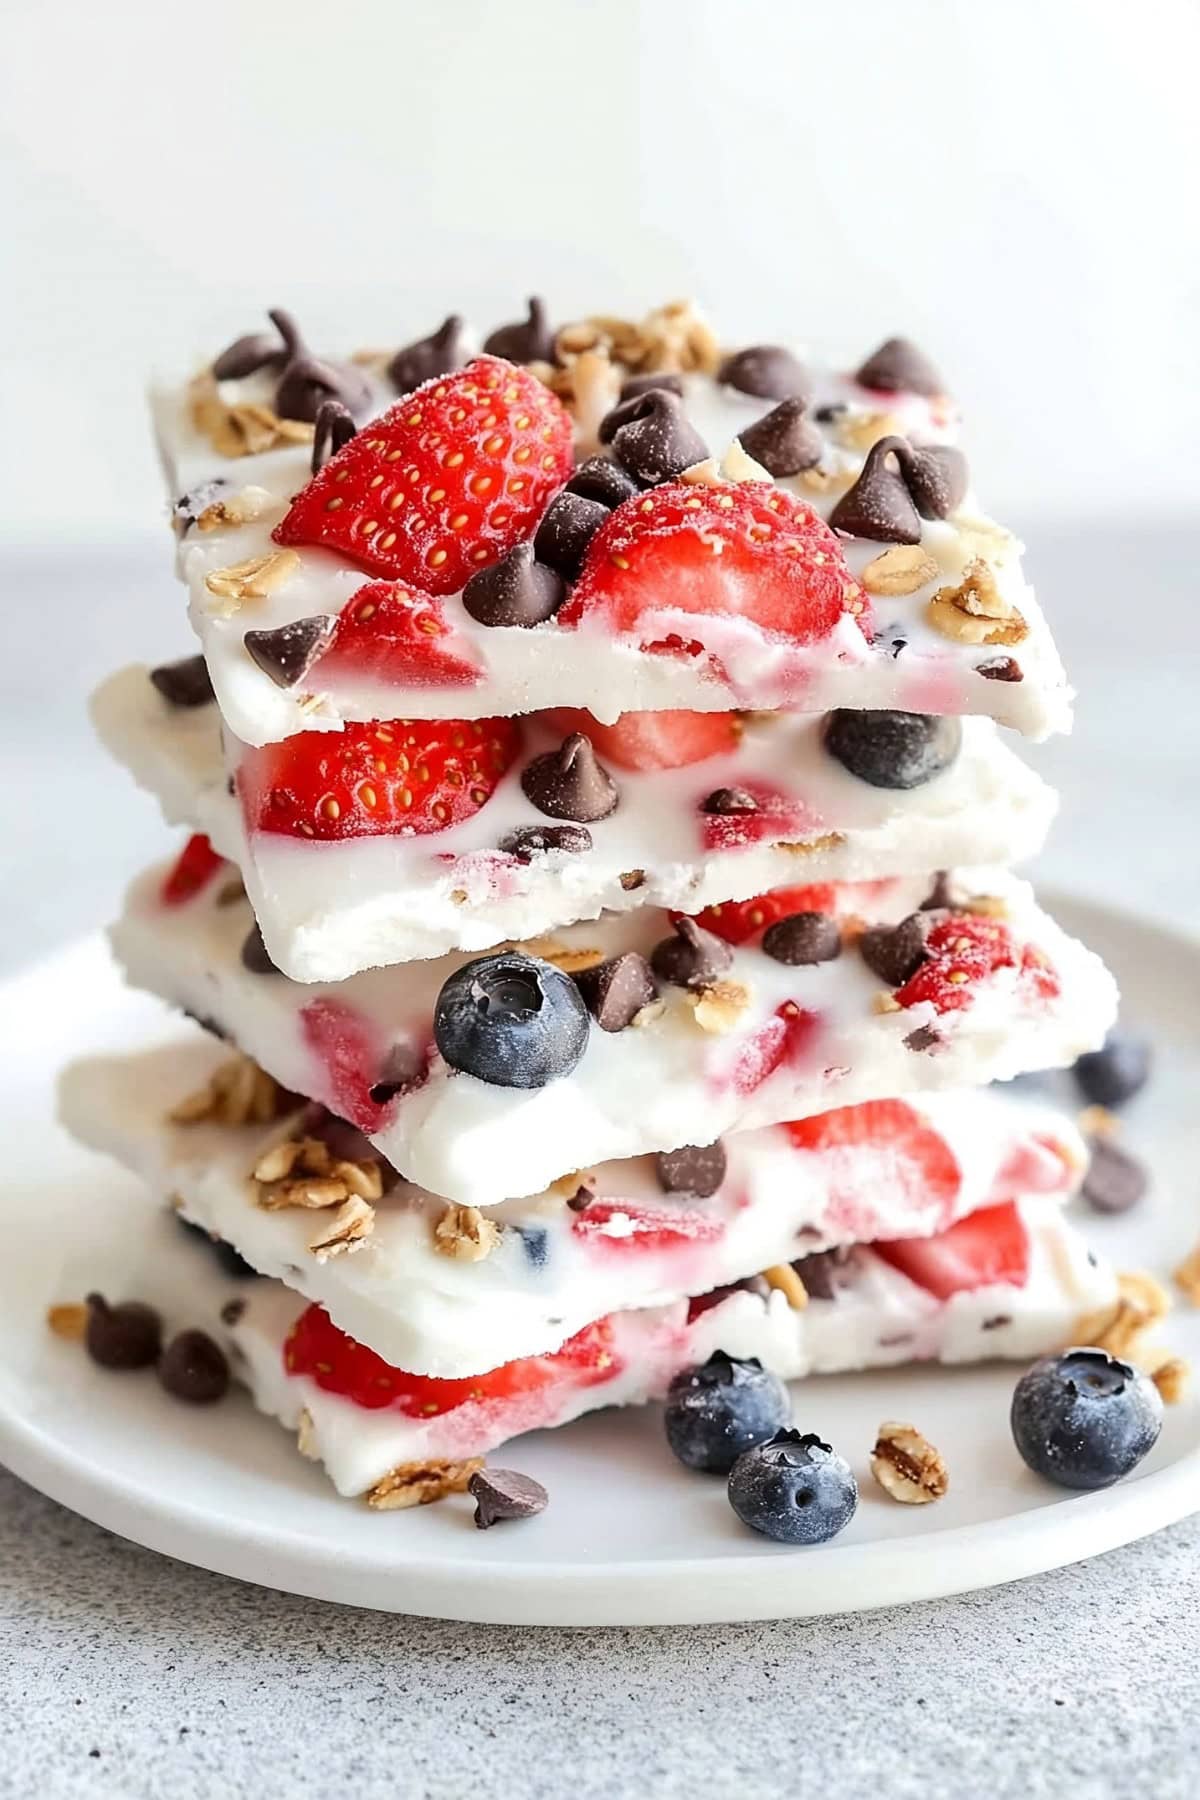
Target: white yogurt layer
328,910
879,1319
683,1076
554,1269
909,665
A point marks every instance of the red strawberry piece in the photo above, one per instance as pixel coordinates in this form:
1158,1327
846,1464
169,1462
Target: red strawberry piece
344,1044
881,1148
337,1363
653,740
962,951
449,480
737,921
643,1227
405,777
787,1037
1039,974
775,815
988,1247
401,635
731,550
192,870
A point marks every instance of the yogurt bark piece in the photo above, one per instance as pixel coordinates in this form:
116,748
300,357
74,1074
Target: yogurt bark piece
890,1304
687,595
765,804
441,1290
719,1034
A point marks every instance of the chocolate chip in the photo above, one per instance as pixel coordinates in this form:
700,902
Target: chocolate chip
693,958
879,505
767,370
307,383
996,1322
1115,1180
937,479
288,652
729,800
570,524
600,479
822,1271
803,938
944,895
502,1494
1000,668
184,683
569,783
895,952
516,591
247,355
642,384
615,991
255,955
584,1194
194,1368
527,340
539,840
925,1037
693,1169
783,440
831,412
657,442
438,354
233,1311
898,367
126,1336
333,430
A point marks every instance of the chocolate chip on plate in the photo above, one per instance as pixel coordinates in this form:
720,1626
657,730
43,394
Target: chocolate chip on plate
728,801
288,652
527,340
1115,1180
184,683
803,938
652,437
502,1494
438,354
568,527
194,1368
125,1336
570,783
529,841
898,367
255,955
1116,1072
767,370
693,958
879,505
692,1169
892,749
783,440
518,590
332,431
616,990
895,952
601,479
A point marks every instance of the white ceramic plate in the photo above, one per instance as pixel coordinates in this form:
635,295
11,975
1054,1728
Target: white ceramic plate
629,1537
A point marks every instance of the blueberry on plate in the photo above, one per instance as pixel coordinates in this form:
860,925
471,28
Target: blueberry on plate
718,1409
794,1489
511,1020
1116,1072
892,749
1083,1419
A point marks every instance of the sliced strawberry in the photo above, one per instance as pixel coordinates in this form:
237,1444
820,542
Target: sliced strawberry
880,1152
337,1363
737,921
643,1227
730,550
775,815
787,1037
989,1247
961,951
403,778
398,634
345,1045
653,740
192,870
450,479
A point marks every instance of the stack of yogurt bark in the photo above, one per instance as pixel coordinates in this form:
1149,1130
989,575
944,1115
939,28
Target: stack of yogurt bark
597,899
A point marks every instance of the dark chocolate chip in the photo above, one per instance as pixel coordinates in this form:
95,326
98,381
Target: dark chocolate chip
184,683
600,479
895,952
642,384
925,1037
937,479
307,383
898,367
233,1311
1115,1180
783,440
530,841
693,958
803,938
126,1336
332,432
255,955
615,991
194,1368
516,591
767,370
502,1494
996,1322
729,800
652,437
823,1272
288,652
944,894
569,783
1000,668
189,506
879,505
693,1169
404,1069
896,750
438,354
584,1194
247,355
831,412
527,340
570,524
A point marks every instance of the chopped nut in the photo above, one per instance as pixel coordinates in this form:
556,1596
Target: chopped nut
237,1093
347,1230
245,428
253,579
595,385
738,465
988,906
1097,1121
900,570
829,840
564,956
678,336
907,1466
632,879
1172,1379
465,1233
1141,1302
417,1483
718,1008
239,509
278,1161
648,1014
1187,1276
301,1172
306,1437
68,1320
784,1278
859,430
817,481
885,1002
975,611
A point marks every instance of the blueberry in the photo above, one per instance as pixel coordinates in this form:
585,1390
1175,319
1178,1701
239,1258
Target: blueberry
1116,1072
720,1408
231,1262
511,1020
892,749
794,1489
1084,1419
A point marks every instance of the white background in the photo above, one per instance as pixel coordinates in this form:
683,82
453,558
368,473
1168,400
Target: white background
1010,181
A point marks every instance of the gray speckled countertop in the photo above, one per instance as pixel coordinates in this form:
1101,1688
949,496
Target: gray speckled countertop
123,1673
